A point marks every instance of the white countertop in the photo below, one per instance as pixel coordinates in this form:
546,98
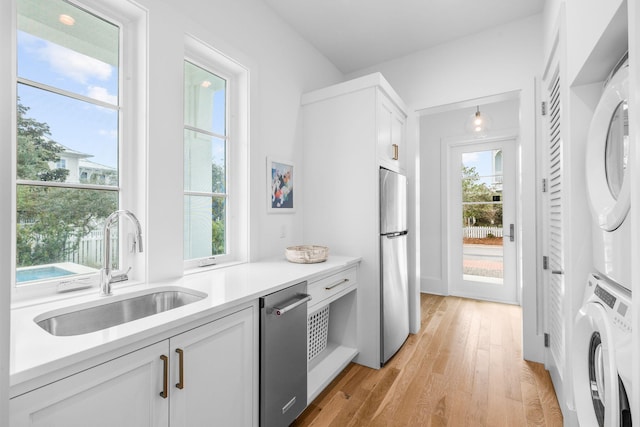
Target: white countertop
37,357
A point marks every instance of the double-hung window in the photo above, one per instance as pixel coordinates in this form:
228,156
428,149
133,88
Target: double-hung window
69,127
215,158
205,163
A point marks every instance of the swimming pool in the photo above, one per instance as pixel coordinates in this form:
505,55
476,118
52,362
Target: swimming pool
40,273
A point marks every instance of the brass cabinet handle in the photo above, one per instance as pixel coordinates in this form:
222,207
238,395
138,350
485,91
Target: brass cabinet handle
165,381
395,151
180,383
328,288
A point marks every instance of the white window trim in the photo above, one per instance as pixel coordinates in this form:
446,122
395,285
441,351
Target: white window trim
133,23
237,76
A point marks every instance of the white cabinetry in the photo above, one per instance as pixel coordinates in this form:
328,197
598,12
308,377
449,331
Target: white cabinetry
122,392
219,382
332,314
347,133
391,135
219,377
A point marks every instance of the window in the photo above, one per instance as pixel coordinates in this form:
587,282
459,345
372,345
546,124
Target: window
69,120
215,158
205,163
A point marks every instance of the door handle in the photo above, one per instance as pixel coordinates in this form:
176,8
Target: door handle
180,383
396,156
165,377
279,311
512,233
557,272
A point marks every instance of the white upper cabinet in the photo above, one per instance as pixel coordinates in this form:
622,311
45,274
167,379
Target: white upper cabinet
391,134
358,103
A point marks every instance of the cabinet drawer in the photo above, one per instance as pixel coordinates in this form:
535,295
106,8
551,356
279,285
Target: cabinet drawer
324,289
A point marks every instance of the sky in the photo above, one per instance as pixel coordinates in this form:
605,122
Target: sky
75,124
482,161
80,125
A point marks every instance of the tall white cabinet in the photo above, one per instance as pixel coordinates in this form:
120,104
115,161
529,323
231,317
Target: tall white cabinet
350,130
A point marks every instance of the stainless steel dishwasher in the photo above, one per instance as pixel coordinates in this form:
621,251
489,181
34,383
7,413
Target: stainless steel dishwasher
283,355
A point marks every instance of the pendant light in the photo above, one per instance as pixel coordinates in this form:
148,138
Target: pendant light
478,123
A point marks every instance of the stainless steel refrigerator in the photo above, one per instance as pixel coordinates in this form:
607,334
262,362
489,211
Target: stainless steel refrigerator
394,291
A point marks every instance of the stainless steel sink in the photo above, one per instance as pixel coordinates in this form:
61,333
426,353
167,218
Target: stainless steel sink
90,319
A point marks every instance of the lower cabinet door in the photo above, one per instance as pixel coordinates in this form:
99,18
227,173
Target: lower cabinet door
123,392
214,373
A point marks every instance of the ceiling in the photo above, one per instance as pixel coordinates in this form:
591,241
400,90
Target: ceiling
356,34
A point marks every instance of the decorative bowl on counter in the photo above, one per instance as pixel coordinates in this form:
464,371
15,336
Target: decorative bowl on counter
306,254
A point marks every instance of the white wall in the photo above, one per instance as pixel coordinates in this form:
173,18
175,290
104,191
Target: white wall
281,67
499,60
589,55
596,35
504,59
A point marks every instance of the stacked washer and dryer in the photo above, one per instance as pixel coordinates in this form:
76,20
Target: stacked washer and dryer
602,335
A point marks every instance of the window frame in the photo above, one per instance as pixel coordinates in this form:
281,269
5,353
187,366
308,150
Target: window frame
132,23
236,76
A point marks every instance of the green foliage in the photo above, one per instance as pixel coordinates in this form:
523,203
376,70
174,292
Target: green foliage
218,212
218,178
477,199
218,217
35,150
51,221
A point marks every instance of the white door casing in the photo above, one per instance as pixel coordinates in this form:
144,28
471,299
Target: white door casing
467,285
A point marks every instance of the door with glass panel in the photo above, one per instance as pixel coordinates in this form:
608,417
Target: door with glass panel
482,228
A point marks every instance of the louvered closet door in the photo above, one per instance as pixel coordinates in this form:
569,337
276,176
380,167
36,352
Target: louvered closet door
555,286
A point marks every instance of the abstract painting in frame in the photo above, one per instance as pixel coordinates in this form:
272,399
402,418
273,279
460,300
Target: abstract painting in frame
280,178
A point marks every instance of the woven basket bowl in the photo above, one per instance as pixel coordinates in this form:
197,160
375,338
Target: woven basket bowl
306,254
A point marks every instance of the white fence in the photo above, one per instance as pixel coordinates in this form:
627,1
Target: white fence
481,232
90,249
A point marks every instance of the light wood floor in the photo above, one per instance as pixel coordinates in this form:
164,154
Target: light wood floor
464,368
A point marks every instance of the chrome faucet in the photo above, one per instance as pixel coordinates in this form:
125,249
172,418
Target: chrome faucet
106,274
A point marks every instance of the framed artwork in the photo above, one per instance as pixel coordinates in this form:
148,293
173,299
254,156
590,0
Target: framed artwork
280,178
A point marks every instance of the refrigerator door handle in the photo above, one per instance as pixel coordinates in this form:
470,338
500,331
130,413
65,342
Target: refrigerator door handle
396,235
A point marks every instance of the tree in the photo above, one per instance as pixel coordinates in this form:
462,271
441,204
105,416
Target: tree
477,198
35,150
51,221
218,211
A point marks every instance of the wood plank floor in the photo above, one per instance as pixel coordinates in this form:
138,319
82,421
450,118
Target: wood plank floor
463,368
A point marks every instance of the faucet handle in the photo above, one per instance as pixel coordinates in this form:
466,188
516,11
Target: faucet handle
121,277
133,242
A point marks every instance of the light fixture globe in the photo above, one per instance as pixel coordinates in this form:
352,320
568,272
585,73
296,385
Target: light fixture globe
478,123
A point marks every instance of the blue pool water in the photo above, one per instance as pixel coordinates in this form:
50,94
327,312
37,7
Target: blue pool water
41,273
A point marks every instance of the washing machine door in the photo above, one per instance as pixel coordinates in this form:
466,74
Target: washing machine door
595,376
608,152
